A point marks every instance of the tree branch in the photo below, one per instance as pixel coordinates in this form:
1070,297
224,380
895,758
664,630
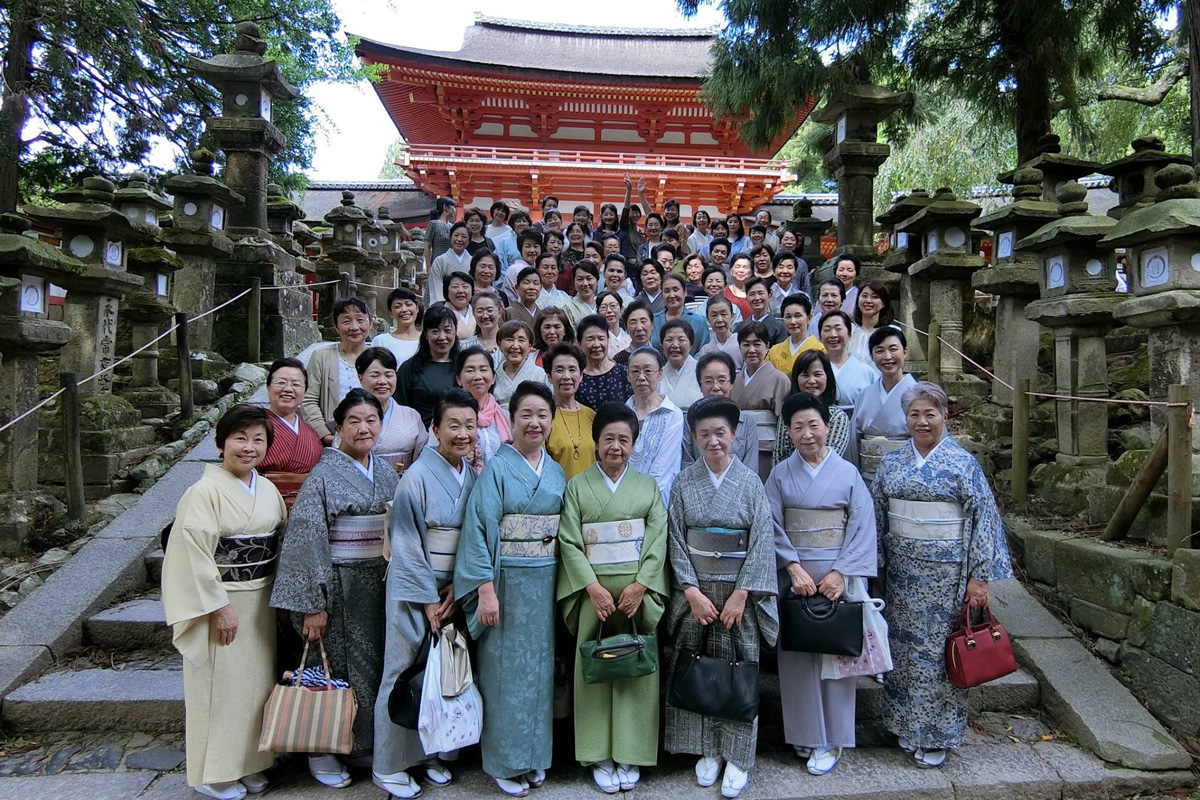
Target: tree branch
1174,71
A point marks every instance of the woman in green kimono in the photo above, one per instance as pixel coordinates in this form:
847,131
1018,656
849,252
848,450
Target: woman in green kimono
504,580
613,539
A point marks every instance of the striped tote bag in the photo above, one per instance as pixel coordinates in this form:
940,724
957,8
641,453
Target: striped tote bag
302,719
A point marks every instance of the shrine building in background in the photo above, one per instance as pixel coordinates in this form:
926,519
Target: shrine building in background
528,109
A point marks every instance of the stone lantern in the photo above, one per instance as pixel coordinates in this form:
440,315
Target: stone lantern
911,302
138,201
1134,175
342,249
27,267
198,236
943,229
282,214
1076,277
1056,168
374,268
249,85
808,230
393,234
1012,277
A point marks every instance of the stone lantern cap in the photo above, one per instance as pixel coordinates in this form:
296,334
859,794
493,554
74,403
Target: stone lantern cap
395,227
1027,206
1075,224
944,209
346,212
92,210
22,255
278,204
1053,164
202,182
245,65
1148,151
1175,211
138,189
877,101
303,234
904,207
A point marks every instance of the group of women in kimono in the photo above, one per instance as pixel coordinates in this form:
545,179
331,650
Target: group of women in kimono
506,546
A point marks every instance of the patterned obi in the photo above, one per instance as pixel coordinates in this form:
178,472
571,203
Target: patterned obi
247,557
871,449
442,546
529,535
718,552
288,484
353,537
931,521
617,542
815,528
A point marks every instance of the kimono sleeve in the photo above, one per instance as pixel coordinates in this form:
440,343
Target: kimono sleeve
652,570
681,562
415,581
785,551
881,517
757,574
476,561
191,585
305,564
859,555
987,553
575,572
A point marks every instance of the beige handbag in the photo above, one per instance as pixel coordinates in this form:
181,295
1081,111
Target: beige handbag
456,661
299,719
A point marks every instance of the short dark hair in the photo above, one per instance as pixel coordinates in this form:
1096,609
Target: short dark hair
475,212
801,365
650,262
588,267
616,257
544,255
756,228
353,398
460,361
611,413
722,357
526,272
716,300
786,255
852,259
460,225
884,333
757,281
525,389
657,216
563,349
647,350
766,211
713,271
803,401
287,363
677,324
357,303
750,328
465,277
518,216
551,312
670,203
797,299
833,282
710,407
550,234
548,198
600,297
675,276
373,354
510,329
402,293
528,236
668,233
719,241
480,255
593,320
665,248
500,205
456,397
636,305
837,313
242,417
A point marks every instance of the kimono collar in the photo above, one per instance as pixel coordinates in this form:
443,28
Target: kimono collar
716,479
368,471
812,471
609,482
901,384
747,376
294,428
917,453
252,487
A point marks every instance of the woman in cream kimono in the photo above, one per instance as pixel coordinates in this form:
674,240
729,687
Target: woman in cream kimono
331,566
427,515
613,538
504,579
216,587
878,422
824,544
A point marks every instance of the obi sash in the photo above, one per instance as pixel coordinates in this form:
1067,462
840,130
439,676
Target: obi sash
871,450
288,484
815,528
442,547
718,552
353,537
617,542
529,535
931,521
247,557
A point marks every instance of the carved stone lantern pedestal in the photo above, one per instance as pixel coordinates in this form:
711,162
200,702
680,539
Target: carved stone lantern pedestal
911,302
342,251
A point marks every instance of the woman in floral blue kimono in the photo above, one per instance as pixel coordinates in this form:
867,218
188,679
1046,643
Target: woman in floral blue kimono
940,543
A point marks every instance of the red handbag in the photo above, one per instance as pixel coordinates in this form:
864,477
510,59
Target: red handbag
976,655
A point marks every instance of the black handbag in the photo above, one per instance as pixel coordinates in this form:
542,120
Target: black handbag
817,625
404,702
715,687
614,658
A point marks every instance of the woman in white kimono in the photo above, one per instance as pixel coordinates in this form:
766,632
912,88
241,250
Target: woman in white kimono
824,544
216,587
853,374
658,451
940,543
331,567
878,420
401,434
504,578
679,373
722,548
474,372
427,515
516,343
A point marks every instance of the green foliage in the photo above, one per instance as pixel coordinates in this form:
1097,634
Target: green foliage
109,79
389,168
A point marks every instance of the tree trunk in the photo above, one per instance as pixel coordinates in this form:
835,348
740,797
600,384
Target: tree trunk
14,102
1192,12
1034,110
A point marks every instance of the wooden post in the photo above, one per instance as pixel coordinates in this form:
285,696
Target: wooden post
73,458
1179,469
1020,443
343,285
187,407
1138,492
934,351
255,317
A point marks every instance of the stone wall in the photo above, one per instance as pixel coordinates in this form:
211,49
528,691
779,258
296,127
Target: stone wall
1141,609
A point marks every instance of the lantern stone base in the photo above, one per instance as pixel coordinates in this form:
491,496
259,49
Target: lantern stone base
1067,483
112,440
20,514
152,401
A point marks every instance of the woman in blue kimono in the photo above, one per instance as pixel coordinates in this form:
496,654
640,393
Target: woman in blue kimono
427,516
940,544
504,578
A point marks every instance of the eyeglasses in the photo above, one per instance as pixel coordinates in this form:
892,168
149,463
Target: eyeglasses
280,383
711,382
642,373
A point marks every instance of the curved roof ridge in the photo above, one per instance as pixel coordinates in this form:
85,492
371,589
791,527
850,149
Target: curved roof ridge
593,30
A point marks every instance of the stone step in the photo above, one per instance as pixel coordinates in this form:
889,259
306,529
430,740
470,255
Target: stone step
132,625
148,700
154,562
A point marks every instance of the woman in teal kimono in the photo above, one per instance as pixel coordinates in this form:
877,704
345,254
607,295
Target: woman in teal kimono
613,537
504,578
940,544
427,515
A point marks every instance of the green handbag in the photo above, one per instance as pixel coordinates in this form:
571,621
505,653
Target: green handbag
626,655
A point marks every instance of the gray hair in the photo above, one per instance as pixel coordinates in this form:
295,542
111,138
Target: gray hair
924,390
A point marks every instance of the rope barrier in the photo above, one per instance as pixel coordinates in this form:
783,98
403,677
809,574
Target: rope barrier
204,314
123,359
17,419
372,285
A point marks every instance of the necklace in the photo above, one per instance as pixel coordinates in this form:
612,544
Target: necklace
577,439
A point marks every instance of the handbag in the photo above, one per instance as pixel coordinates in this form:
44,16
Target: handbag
614,658
447,722
301,719
404,702
715,687
817,625
876,657
455,661
976,655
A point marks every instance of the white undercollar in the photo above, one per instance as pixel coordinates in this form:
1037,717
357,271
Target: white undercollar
613,485
922,459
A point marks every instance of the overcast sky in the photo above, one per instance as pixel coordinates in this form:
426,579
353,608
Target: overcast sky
355,146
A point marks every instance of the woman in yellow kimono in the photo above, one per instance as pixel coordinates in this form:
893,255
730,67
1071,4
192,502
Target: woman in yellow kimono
216,587
613,541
